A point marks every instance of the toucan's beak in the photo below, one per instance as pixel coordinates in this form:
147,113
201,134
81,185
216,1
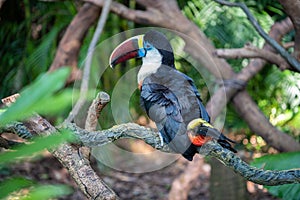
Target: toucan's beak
130,48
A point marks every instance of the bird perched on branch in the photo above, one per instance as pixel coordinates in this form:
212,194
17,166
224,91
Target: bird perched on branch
169,97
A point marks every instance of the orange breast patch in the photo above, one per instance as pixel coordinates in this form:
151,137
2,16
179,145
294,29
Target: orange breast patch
199,140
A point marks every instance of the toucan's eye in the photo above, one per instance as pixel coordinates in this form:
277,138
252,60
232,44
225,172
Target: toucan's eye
148,46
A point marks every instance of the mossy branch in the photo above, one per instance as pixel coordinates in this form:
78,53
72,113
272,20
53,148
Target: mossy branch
152,138
259,176
211,148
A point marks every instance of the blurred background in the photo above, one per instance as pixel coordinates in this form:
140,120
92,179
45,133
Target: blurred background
30,32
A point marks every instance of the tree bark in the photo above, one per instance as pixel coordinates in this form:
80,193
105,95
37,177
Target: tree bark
67,55
69,46
292,8
225,184
211,148
78,166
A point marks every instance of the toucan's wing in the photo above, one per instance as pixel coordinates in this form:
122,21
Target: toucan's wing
163,108
203,112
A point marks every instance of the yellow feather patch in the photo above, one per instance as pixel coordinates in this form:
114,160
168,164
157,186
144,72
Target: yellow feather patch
140,41
198,122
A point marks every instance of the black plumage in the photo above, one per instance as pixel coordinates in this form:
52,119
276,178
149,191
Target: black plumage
172,101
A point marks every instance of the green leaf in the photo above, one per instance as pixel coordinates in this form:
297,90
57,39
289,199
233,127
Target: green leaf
282,161
36,146
13,184
35,95
58,102
295,122
47,192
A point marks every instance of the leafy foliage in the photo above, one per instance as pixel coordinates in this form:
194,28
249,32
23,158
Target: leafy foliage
278,95
47,192
13,184
37,145
29,39
227,27
39,96
33,98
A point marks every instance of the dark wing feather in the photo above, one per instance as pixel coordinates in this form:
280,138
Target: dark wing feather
163,108
203,113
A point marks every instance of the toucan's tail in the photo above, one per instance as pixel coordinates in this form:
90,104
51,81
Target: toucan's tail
224,142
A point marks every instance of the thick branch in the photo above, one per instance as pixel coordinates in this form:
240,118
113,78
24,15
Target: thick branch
290,59
89,181
273,136
67,55
78,167
95,108
259,176
131,130
253,52
69,46
292,8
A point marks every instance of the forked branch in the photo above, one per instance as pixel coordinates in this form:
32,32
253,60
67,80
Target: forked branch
290,59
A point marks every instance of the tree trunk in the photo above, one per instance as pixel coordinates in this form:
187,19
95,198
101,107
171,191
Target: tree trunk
225,184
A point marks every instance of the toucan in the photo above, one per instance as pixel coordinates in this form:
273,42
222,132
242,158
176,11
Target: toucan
169,97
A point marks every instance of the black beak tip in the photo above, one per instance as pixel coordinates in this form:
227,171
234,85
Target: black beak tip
112,65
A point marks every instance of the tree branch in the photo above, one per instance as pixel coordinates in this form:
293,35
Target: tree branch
96,107
78,166
211,148
292,8
87,67
250,51
69,46
266,130
67,54
80,170
259,176
290,59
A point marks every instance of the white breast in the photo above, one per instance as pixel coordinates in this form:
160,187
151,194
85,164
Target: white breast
151,62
